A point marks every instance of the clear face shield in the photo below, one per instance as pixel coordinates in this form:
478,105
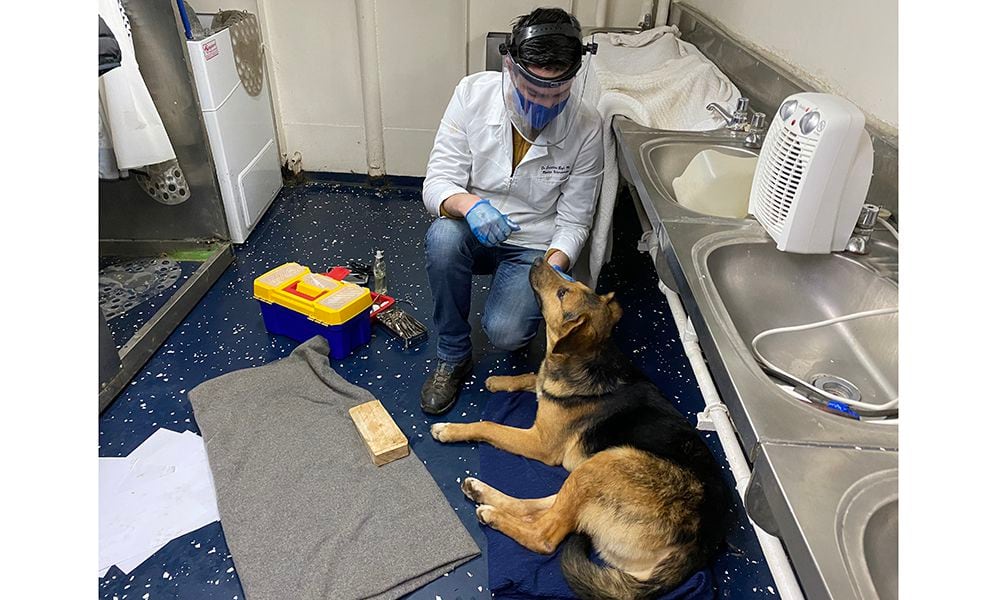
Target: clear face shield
543,103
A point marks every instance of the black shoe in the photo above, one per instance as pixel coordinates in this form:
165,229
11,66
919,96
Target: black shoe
441,389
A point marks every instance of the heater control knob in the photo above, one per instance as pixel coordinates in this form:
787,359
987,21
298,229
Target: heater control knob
787,109
809,122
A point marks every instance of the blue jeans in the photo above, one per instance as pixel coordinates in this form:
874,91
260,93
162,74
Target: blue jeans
511,316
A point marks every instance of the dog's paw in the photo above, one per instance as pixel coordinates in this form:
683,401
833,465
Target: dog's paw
439,431
473,489
511,383
485,514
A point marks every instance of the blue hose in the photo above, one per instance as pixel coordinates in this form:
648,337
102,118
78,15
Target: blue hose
184,18
843,409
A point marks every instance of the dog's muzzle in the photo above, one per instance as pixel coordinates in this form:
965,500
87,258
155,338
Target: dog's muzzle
536,272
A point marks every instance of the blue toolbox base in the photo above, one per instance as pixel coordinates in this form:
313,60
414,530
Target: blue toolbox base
343,339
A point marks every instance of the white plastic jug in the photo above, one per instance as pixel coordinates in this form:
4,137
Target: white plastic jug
716,184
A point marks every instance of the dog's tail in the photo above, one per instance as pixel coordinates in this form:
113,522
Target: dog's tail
590,581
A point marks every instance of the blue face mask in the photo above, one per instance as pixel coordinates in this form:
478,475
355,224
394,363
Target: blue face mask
540,115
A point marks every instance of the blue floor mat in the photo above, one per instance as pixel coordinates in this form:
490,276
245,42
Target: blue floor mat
321,224
525,575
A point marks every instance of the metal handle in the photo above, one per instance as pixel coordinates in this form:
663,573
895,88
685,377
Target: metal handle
742,114
757,122
868,216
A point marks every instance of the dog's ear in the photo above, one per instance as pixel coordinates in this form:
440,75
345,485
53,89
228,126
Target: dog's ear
572,335
613,306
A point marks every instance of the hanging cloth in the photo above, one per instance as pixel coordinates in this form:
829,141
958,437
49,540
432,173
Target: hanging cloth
134,127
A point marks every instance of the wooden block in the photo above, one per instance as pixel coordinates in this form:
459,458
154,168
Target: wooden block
381,435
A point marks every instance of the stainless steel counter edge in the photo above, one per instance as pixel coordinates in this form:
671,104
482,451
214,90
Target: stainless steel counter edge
822,499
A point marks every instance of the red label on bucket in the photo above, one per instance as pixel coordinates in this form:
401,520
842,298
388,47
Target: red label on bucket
211,49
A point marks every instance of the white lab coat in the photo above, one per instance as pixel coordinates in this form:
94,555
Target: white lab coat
551,194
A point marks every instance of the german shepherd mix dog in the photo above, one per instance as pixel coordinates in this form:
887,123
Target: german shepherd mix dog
643,486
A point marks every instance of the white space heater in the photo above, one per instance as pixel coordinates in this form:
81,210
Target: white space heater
813,173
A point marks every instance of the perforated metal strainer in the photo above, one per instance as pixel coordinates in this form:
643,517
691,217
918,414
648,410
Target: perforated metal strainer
248,51
125,285
164,182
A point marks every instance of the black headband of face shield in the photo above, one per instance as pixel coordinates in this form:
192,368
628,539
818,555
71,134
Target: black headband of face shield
512,48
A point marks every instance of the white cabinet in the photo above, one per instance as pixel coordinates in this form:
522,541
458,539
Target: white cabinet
240,131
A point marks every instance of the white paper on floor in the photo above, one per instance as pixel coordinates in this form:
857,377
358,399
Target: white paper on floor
159,492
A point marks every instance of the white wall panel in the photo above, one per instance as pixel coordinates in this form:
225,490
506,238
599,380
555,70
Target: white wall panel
621,13
486,16
406,150
846,47
625,13
421,59
314,47
329,148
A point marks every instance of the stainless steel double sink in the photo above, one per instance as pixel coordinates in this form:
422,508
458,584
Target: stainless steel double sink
824,483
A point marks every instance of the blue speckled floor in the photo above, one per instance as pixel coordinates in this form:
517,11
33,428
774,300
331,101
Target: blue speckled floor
321,224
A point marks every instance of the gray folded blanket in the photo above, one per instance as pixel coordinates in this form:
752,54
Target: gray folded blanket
305,512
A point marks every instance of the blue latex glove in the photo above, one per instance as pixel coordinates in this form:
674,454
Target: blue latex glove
562,273
489,225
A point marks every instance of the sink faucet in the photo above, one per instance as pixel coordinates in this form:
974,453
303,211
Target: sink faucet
738,119
858,244
742,121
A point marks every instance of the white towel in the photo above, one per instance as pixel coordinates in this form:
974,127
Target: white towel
657,80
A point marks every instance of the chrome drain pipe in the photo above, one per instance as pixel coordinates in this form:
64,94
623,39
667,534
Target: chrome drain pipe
716,416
